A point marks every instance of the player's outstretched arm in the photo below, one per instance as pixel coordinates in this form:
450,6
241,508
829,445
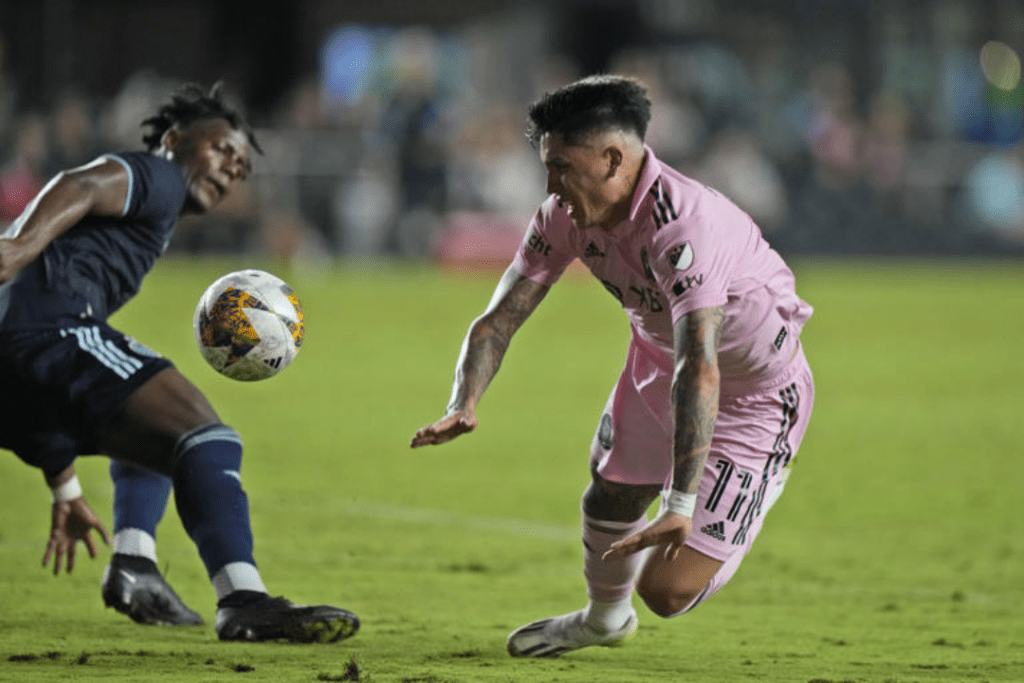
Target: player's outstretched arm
97,188
695,390
72,520
514,299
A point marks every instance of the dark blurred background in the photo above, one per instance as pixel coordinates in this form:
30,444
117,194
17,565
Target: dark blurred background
394,129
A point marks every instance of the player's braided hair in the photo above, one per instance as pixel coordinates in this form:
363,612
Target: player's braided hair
193,103
601,102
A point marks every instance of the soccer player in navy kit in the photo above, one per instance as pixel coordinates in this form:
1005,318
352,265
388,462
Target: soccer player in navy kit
73,385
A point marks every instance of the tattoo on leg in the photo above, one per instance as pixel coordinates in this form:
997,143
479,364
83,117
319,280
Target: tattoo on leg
618,502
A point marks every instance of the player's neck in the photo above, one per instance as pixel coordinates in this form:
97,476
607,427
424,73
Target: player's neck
624,203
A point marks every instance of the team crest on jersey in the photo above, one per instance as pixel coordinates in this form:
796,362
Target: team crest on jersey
141,349
681,256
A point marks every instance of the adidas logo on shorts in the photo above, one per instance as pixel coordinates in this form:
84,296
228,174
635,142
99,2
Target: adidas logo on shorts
714,530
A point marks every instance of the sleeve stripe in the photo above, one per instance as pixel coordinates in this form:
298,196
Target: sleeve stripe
131,182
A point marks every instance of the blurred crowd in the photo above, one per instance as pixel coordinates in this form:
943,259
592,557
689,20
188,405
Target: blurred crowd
408,141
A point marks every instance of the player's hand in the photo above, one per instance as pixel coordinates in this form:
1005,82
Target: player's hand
71,522
444,430
669,529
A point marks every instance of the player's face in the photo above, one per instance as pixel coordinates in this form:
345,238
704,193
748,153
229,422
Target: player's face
578,175
214,157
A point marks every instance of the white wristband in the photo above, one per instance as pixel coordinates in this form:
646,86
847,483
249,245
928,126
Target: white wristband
69,490
680,503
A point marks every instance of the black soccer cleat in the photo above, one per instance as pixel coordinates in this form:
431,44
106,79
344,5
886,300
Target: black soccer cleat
133,586
257,617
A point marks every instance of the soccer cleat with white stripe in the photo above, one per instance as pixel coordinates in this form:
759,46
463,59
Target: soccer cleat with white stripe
555,636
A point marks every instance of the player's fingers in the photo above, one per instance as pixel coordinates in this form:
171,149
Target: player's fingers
626,546
425,439
58,559
103,532
90,544
49,552
429,434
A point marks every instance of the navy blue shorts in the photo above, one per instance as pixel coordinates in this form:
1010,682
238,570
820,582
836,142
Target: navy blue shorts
61,385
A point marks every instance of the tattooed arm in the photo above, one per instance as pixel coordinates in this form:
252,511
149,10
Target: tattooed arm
514,299
695,389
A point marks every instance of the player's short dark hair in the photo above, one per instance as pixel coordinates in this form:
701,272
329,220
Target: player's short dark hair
193,103
595,103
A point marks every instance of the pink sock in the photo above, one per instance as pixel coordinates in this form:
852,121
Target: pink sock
609,583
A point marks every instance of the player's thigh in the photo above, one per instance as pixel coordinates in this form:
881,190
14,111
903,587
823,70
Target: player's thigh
147,427
633,441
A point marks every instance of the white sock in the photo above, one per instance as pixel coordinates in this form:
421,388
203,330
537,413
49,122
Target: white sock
135,542
608,616
237,576
609,583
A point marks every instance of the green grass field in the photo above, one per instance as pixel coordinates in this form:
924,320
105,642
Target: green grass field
896,555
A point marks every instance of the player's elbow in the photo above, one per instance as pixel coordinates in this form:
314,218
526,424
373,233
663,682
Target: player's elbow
699,373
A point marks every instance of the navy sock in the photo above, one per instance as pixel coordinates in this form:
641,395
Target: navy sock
140,497
208,491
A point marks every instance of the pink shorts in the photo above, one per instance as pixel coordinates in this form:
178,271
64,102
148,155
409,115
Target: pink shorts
756,437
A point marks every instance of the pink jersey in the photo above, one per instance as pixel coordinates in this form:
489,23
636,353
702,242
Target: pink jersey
683,247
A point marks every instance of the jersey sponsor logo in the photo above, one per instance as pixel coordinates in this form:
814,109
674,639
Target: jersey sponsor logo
715,530
141,349
649,299
593,251
687,283
681,256
663,211
536,243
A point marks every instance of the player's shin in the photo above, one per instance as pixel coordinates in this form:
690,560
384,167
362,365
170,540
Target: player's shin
214,509
140,499
609,582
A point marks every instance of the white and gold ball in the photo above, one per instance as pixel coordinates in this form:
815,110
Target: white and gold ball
249,325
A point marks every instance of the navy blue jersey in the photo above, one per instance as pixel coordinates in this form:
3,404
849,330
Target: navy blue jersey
91,270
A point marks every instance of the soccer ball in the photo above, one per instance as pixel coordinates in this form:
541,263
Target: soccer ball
249,325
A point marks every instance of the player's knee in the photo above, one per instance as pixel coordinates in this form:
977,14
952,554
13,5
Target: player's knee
666,600
212,439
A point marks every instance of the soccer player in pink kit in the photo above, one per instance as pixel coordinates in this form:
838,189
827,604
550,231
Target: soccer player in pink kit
715,395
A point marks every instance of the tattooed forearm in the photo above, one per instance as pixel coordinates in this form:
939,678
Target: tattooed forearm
489,336
695,390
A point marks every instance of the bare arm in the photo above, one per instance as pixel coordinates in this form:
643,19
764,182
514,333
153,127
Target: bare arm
696,384
483,349
98,188
695,390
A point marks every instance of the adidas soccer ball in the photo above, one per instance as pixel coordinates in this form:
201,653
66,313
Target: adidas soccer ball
249,325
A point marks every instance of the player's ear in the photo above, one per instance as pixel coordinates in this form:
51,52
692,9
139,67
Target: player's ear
613,158
171,139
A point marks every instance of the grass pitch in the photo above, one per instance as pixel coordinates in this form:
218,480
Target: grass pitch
896,555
